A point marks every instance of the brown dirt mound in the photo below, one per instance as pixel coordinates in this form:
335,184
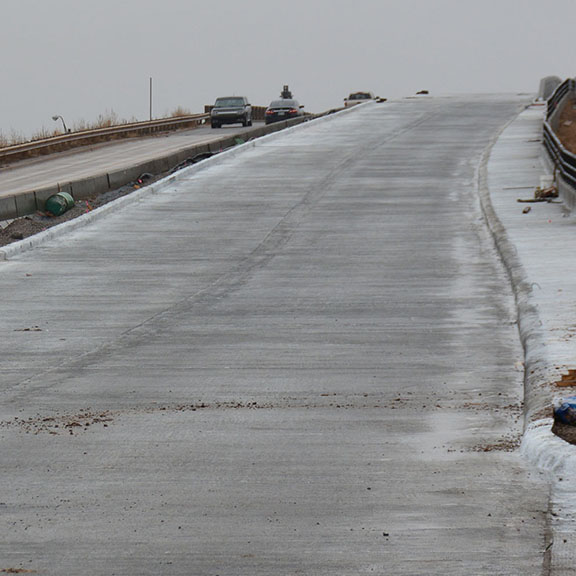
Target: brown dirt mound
566,131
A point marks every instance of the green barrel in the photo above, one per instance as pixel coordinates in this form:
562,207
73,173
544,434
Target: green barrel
59,203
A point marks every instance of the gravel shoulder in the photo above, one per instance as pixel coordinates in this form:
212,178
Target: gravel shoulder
22,228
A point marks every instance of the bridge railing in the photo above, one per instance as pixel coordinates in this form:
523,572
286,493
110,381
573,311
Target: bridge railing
562,160
557,98
84,137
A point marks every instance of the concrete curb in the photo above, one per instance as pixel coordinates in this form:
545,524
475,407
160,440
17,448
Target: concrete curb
539,445
21,246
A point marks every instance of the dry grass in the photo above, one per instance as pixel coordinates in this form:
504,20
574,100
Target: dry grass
11,139
45,133
180,111
567,126
106,120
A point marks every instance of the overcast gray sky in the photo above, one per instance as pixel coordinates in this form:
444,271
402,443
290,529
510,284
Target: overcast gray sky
82,58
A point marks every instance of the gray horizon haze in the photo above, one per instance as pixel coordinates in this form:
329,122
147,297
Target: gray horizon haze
83,60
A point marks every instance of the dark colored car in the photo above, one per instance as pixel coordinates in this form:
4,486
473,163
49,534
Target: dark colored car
283,109
231,110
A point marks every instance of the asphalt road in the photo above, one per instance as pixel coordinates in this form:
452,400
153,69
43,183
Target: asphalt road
87,161
301,360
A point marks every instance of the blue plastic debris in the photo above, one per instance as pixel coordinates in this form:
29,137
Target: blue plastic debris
565,411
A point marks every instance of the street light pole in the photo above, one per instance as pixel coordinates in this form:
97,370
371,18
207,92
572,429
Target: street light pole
56,117
150,98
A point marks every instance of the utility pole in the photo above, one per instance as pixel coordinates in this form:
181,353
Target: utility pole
150,97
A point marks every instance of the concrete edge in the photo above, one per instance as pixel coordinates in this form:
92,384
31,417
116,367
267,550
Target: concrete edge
539,445
21,246
59,230
28,202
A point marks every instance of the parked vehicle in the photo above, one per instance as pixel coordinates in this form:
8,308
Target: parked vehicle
231,110
283,109
357,98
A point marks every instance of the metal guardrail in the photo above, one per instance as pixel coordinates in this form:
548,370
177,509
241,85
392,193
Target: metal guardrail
567,87
86,136
564,161
67,141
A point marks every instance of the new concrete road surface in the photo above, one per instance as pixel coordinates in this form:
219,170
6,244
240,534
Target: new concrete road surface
88,161
297,358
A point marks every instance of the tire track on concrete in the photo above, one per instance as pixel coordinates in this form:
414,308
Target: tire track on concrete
239,275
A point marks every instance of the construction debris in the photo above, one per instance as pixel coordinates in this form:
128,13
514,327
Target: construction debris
567,379
565,411
542,195
547,193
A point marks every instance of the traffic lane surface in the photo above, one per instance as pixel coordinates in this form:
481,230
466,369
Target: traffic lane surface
103,158
299,360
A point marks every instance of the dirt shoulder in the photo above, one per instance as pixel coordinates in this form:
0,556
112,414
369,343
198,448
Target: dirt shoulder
566,131
22,228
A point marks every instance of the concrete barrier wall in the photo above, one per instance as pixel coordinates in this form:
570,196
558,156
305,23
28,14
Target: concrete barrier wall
88,187
121,177
26,203
42,195
8,206
29,202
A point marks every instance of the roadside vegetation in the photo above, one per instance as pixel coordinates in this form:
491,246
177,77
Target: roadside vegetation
106,120
179,112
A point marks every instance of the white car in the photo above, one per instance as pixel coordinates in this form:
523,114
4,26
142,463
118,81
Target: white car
358,98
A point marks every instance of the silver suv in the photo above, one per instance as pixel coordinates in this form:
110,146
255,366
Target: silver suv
231,110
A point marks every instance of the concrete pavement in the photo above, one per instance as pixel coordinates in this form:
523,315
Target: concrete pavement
207,363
